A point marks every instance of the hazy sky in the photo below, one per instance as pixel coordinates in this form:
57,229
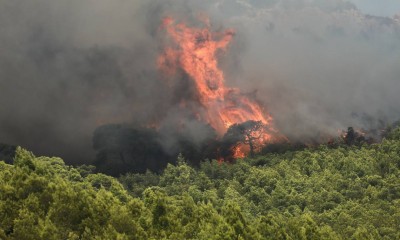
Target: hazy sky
378,7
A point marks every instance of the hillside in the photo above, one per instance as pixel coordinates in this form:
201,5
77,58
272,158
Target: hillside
322,193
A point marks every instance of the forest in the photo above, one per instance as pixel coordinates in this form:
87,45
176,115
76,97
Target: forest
213,119
346,191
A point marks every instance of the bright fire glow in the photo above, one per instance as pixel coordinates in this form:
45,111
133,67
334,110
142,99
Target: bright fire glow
195,52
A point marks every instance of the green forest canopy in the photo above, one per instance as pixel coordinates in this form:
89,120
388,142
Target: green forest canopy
348,192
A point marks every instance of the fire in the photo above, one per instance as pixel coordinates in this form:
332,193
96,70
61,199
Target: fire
239,152
195,52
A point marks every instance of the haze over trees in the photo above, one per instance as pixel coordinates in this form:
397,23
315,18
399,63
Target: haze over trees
123,148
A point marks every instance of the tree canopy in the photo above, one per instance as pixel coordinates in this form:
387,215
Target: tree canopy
348,192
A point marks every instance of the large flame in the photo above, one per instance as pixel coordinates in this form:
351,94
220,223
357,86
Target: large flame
195,52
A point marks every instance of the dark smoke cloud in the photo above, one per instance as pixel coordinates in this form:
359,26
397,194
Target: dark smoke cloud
319,66
68,67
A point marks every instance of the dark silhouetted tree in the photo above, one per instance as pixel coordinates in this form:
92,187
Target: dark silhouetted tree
7,152
248,133
353,138
194,139
122,149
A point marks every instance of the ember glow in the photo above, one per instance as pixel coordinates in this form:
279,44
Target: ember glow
195,51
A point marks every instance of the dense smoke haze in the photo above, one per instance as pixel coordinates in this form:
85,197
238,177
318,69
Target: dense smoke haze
69,67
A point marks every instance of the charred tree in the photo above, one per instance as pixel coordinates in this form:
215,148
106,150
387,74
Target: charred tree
249,133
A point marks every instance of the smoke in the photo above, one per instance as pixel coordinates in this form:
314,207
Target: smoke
68,67
318,66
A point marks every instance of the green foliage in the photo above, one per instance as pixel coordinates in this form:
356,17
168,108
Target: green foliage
348,192
136,183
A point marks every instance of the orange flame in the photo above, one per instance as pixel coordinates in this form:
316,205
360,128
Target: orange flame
195,53
239,151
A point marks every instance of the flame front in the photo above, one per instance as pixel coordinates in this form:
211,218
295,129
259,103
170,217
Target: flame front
195,52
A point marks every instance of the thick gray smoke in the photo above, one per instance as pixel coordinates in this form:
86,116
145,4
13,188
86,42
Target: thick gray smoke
67,67
318,65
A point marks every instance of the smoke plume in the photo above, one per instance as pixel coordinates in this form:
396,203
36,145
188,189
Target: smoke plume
68,67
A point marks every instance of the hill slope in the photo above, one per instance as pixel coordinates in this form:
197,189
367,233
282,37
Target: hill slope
343,193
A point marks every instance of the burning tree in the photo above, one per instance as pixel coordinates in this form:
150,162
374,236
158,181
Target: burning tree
239,136
239,118
194,51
